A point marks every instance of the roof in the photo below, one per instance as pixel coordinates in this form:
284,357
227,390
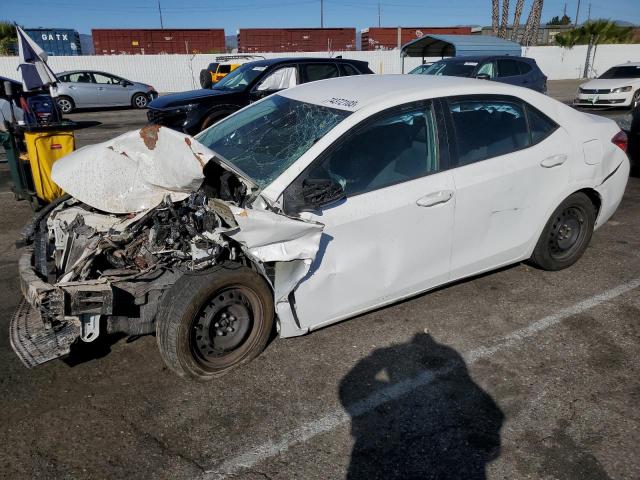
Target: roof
481,58
459,46
274,61
359,91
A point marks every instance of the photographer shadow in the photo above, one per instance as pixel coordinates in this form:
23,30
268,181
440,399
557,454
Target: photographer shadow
416,413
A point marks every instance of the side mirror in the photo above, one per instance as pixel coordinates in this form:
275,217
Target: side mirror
314,194
483,76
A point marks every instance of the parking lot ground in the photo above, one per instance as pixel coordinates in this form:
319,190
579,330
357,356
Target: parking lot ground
518,373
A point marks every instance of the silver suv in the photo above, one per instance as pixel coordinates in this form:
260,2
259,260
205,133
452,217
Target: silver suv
87,89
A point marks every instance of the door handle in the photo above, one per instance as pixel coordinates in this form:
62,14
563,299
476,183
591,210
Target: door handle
435,198
554,160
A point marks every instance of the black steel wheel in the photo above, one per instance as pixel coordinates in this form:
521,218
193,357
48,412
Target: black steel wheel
213,321
567,234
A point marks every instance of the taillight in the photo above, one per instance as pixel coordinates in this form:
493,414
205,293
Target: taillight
620,140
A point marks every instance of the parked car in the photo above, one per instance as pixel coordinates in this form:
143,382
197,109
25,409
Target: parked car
520,71
196,110
222,67
420,69
308,207
617,87
634,140
87,89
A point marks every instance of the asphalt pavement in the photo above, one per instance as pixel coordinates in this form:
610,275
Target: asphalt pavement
514,374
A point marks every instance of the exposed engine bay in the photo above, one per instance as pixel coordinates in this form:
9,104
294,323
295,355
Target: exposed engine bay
90,270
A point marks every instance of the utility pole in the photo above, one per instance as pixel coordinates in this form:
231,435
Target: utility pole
378,14
589,12
160,12
575,24
321,14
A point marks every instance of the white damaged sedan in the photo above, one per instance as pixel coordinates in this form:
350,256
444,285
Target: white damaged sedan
306,208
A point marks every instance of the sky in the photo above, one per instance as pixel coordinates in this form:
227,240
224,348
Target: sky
231,15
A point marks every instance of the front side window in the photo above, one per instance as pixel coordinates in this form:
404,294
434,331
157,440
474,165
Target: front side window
266,138
486,128
106,79
319,71
457,68
487,69
282,78
398,147
80,77
508,68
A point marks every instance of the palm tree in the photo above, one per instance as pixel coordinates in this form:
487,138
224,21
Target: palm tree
8,38
592,34
495,7
505,19
530,36
516,19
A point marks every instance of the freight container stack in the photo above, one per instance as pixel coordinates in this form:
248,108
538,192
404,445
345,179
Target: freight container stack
264,40
388,38
157,41
56,41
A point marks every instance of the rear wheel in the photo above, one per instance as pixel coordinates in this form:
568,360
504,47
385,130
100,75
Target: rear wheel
211,322
140,100
65,104
566,235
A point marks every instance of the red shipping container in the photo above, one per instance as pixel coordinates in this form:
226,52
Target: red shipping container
386,38
154,41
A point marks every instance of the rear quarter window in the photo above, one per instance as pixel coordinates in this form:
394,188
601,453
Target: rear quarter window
540,125
347,70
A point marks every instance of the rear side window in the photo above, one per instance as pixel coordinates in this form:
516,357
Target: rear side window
524,68
508,68
347,70
80,77
319,71
486,128
540,125
224,69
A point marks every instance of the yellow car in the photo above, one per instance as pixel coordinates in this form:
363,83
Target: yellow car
216,71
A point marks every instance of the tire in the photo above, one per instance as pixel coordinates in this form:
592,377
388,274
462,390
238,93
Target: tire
140,100
214,117
566,235
213,321
635,101
205,79
65,104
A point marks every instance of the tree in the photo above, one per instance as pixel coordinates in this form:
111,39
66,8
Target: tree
516,19
593,33
564,20
8,39
495,8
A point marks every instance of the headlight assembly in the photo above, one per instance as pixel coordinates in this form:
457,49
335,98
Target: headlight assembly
621,89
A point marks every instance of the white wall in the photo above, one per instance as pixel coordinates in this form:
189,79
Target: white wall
172,73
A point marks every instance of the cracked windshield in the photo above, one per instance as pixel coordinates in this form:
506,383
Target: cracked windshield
266,138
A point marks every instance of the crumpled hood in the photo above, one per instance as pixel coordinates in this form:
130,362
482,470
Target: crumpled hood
135,171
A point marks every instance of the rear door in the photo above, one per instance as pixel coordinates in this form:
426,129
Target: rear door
509,71
278,79
112,90
310,72
82,88
510,163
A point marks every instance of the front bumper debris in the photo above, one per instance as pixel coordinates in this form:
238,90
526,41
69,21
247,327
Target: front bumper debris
47,321
36,344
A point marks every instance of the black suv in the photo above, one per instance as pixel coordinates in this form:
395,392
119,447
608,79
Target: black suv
193,111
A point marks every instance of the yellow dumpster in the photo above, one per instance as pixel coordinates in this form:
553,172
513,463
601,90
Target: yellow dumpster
44,148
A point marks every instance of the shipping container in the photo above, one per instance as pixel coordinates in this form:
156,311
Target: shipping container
150,41
265,40
56,41
388,38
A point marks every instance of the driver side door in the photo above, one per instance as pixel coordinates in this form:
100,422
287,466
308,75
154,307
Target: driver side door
391,237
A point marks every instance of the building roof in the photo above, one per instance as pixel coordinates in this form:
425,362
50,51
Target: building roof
459,46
